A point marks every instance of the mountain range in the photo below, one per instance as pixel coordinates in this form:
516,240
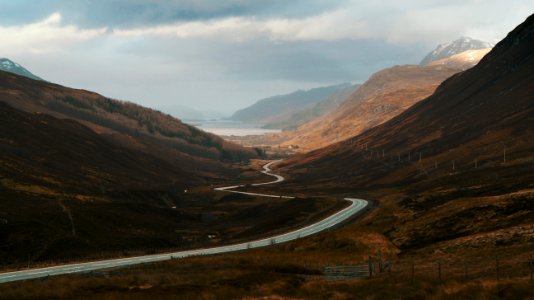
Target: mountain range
291,110
456,166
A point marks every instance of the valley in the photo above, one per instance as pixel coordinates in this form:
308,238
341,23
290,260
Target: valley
415,183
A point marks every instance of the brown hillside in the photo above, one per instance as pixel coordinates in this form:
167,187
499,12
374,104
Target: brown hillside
386,94
128,123
454,165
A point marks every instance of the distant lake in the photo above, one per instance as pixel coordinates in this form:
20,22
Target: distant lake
224,127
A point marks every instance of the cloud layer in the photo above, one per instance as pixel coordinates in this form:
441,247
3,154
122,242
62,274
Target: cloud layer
225,54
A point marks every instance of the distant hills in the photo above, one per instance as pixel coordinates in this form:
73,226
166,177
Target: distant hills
384,95
290,110
12,67
457,46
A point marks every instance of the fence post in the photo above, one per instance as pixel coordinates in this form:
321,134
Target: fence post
530,267
371,266
497,267
379,258
413,270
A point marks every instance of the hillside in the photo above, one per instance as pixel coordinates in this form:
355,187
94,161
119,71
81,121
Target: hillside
82,175
331,103
384,95
127,123
277,111
461,158
452,48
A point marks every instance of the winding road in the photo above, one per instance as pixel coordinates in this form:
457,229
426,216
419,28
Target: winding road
356,206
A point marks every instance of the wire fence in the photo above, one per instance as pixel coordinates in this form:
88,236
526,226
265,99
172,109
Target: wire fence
478,268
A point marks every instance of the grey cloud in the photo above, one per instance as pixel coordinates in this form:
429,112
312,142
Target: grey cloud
130,13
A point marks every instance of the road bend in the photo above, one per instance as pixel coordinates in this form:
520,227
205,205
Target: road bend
356,206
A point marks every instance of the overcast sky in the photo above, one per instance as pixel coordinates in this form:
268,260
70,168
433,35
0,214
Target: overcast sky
226,54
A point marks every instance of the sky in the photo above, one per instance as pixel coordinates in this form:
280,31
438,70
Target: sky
223,55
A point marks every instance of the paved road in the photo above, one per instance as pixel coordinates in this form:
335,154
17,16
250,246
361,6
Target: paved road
356,206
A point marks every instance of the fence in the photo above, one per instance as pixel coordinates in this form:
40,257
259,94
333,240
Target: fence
499,267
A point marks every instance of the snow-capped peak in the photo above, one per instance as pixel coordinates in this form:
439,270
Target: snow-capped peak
451,48
10,66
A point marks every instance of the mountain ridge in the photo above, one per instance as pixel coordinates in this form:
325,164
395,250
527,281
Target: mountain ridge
10,66
451,48
279,109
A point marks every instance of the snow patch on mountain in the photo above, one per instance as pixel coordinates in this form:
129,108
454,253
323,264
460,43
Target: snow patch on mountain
458,46
10,66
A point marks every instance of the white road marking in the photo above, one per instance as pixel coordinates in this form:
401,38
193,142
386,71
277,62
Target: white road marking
356,206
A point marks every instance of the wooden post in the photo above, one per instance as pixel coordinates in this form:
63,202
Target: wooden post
371,266
497,267
453,167
504,155
466,275
419,155
476,163
379,258
383,154
530,268
439,270
399,156
435,164
413,270
409,156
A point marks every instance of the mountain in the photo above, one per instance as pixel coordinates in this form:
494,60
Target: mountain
384,95
130,124
449,49
12,67
454,169
82,174
278,110
321,108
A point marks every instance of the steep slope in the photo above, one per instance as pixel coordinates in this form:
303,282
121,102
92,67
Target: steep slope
331,103
490,104
12,67
456,167
278,110
457,46
127,123
384,95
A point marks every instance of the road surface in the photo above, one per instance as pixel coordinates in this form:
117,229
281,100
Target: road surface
356,206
